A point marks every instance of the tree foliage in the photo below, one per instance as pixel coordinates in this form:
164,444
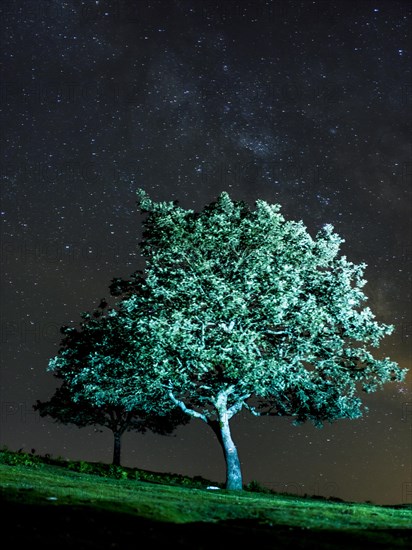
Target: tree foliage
248,310
99,370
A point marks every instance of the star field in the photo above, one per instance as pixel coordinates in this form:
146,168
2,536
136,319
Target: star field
304,103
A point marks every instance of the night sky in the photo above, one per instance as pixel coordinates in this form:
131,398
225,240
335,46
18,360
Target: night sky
306,104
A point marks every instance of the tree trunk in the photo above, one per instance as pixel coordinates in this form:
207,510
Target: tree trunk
117,448
233,470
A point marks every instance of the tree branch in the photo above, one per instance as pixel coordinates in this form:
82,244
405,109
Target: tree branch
253,411
185,409
234,409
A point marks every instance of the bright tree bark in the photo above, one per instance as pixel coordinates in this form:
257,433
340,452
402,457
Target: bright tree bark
233,468
221,429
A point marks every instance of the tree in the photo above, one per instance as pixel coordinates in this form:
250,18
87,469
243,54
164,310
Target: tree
248,311
64,410
94,363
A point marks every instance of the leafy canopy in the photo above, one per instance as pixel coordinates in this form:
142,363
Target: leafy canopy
248,305
105,380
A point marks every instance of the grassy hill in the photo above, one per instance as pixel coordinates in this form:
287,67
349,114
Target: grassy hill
52,503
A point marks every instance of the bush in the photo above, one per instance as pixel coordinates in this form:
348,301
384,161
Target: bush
256,487
19,459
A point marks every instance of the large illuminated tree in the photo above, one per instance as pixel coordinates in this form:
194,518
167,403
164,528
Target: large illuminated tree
251,312
96,364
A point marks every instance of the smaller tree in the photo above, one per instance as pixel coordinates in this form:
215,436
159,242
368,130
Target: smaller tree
94,363
64,410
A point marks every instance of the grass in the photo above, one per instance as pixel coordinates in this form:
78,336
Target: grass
52,503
